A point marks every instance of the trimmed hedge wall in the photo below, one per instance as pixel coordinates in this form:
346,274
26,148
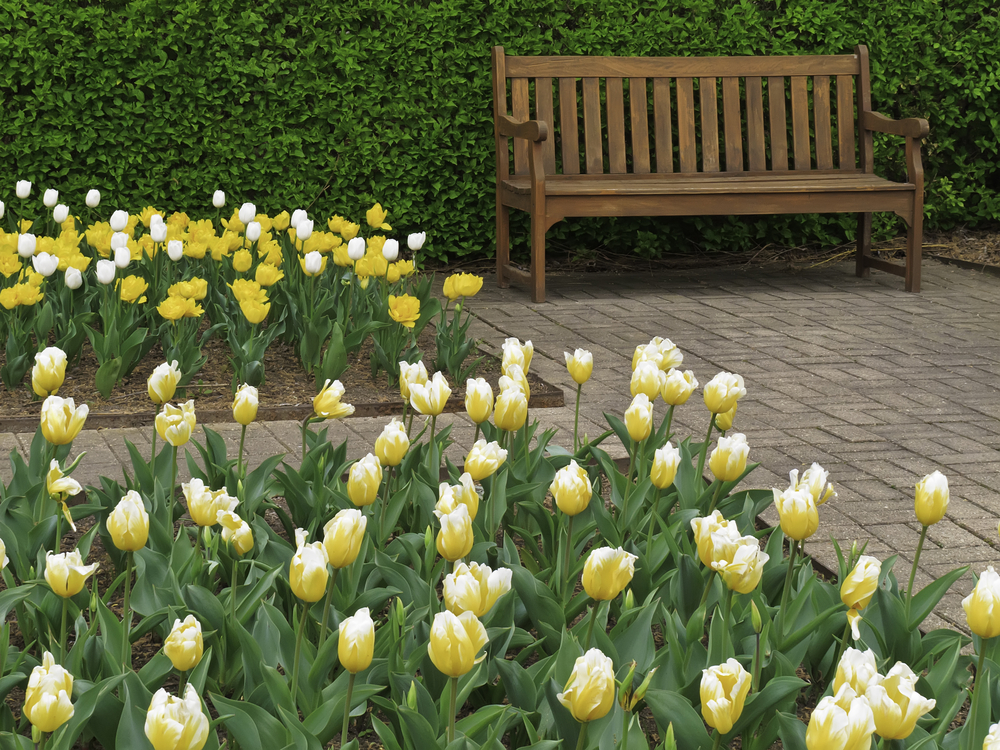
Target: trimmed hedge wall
331,105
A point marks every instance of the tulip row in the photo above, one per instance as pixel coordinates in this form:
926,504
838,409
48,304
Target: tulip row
418,597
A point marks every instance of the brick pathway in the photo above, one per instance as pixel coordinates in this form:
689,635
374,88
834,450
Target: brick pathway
879,386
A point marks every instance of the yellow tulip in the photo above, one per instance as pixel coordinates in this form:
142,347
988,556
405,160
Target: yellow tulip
931,498
175,308
639,418
245,405
66,574
896,704
607,572
857,669
131,288
195,289
455,539
162,382
814,481
430,398
62,420
724,690
327,403
410,375
676,388
184,646
664,469
478,400
176,724
454,642
349,230
307,573
128,523
391,446
723,391
516,353
992,741
343,535
235,531
843,721
743,571
724,421
571,489
511,409
245,290
255,312
729,459
514,377
364,481
49,371
982,606
647,379
484,459
173,425
462,285
47,702
376,216
475,588
797,512
716,538
590,690
404,309
580,365
58,485
356,644
267,275
242,260
463,493
858,588
204,504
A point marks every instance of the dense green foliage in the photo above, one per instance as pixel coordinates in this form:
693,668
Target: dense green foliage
333,105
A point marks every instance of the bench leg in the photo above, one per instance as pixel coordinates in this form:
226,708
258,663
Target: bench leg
503,244
538,256
864,244
914,250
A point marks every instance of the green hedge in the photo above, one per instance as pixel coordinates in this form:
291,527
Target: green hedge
333,105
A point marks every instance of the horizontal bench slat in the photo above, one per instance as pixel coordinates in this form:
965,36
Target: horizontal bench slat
679,67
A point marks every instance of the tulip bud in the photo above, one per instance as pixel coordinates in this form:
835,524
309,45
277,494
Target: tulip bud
23,189
50,198
455,539
931,498
298,215
859,586
235,531
724,421
454,642
364,481
118,240
66,574
982,606
629,601
639,418
45,264
128,523
484,459
176,724
390,250
664,469
204,503
119,220
723,391
253,231
478,400
724,690
571,489
356,644
647,379
247,212
49,371
607,572
26,245
175,250
391,446
729,459
218,199
416,240
580,365
304,230
1,209
590,690
797,512
245,405
511,408
62,420
122,257
158,232
307,573
184,646
356,249
163,382
93,198
755,618
343,535
411,696
47,703
60,213
73,279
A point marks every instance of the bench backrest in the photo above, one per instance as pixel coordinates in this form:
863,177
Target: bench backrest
670,114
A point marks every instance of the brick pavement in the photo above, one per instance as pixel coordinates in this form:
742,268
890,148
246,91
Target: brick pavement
879,386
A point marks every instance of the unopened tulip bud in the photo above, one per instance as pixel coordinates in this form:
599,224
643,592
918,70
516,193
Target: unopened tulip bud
724,421
356,644
629,601
313,263
411,696
580,365
478,400
128,523
343,535
119,240
390,250
356,249
797,512
455,641
391,446
858,588
247,212
571,489
590,691
298,216
755,618
49,371
50,198
416,240
729,459
932,498
175,250
664,469
607,572
253,231
93,198
184,646
639,418
245,405
26,245
23,189
364,481
455,539
60,213
218,199
724,690
119,220
307,573
982,606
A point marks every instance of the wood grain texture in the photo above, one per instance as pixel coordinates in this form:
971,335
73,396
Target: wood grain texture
592,125
569,124
779,123
685,125
846,120
800,123
733,121
708,97
544,112
519,109
639,117
821,117
663,126
680,67
616,125
755,125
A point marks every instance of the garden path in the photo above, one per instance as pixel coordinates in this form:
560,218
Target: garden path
879,386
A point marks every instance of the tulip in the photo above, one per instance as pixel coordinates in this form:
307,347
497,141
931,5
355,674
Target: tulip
307,572
814,481
454,642
992,741
516,353
253,231
312,264
254,310
356,249
342,537
50,198
128,523
743,572
514,377
49,371
65,573
60,487
478,400
451,496
93,198
462,285
47,702
639,418
3,554
571,489
173,425
580,365
843,721
175,250
607,572
62,420
242,260
391,446
247,212
858,588
304,230
416,240
724,421
22,189
45,264
896,704
235,531
176,724
982,606
357,641
390,250
364,481
664,469
204,504
729,459
455,539
327,402
484,459
1,209
475,588
404,309
723,391
798,513
931,498
73,279
646,379
429,398
590,690
162,382
60,213
154,219
26,245
857,669
298,216
158,232
118,220
119,240
409,375
511,409
724,689
245,405
123,257
676,388
710,548
105,271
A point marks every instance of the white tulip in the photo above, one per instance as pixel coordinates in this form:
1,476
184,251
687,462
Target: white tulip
123,256
73,278
93,198
297,215
26,245
416,241
45,264
155,219
22,189
390,250
304,230
253,231
119,239
314,262
105,271
51,198
60,213
175,250
119,220
356,248
247,212
1,209
158,232
218,199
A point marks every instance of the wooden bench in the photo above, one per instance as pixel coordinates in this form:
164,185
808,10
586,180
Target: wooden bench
679,153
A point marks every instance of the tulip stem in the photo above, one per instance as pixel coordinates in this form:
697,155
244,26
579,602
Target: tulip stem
670,420
717,741
298,651
127,614
755,674
576,417
793,548
715,497
152,460
305,428
172,490
628,479
476,438
347,709
708,587
431,450
581,741
452,700
43,738
59,518
843,644
652,519
726,612
704,447
326,608
975,687
590,627
181,682
913,574
62,632
569,546
385,504
236,565
243,437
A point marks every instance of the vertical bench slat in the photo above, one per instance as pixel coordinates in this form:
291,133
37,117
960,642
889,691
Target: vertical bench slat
663,126
519,109
845,122
543,111
821,116
733,122
800,122
685,125
569,123
640,128
592,125
778,122
755,125
616,125
709,96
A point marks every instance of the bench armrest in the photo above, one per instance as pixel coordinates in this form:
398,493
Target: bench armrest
912,127
533,130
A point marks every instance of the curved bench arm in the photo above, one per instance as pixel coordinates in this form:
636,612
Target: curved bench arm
532,130
911,127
